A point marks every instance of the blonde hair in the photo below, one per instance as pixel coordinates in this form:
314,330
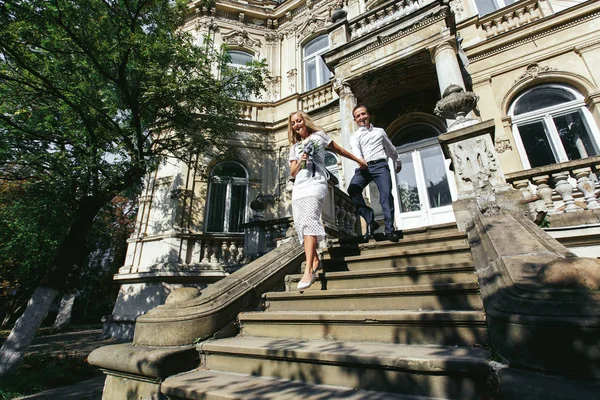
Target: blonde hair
293,136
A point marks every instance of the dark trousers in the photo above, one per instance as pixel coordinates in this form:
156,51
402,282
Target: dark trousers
380,173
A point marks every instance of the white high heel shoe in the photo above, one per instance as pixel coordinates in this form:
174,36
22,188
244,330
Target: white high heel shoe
306,285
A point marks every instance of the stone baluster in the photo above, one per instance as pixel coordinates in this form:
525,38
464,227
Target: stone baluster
523,17
214,256
544,191
233,253
206,252
380,18
586,186
240,254
499,25
487,26
510,22
224,253
564,188
533,11
523,186
269,238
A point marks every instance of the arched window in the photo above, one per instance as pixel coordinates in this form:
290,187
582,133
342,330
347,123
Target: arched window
316,72
551,124
489,6
331,163
239,59
227,196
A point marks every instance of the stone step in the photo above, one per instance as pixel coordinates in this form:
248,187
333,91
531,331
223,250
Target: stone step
400,256
438,296
412,242
219,385
369,278
436,371
463,328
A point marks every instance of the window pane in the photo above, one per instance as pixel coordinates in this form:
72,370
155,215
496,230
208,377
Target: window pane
320,43
325,74
330,159
237,212
575,136
537,146
545,96
240,58
216,210
486,6
310,77
229,170
436,179
408,195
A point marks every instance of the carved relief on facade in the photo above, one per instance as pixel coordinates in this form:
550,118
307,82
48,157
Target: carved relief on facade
272,84
291,76
273,38
311,25
241,37
475,165
533,71
206,24
458,7
503,145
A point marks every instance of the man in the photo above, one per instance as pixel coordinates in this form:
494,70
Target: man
373,145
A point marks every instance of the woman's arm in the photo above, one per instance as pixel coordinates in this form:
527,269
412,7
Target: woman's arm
295,165
343,152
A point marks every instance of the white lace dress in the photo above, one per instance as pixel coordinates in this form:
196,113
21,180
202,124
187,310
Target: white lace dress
310,187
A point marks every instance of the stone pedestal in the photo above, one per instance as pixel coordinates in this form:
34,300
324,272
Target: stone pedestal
480,182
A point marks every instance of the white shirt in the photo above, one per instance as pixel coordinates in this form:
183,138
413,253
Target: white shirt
373,144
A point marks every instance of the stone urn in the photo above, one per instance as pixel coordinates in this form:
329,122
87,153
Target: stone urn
338,12
455,103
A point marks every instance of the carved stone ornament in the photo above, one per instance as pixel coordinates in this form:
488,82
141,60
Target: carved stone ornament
534,70
503,145
310,26
240,37
458,7
272,83
273,38
475,165
291,75
455,103
207,24
337,12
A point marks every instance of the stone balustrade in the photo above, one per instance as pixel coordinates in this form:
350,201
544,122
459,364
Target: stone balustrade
345,214
216,251
509,18
559,188
248,111
381,16
316,98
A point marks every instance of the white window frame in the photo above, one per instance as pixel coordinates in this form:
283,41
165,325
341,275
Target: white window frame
546,115
239,51
498,3
334,169
318,62
230,182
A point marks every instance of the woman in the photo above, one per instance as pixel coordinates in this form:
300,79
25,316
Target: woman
307,158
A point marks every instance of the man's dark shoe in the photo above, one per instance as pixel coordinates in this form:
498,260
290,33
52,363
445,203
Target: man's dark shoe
373,226
391,236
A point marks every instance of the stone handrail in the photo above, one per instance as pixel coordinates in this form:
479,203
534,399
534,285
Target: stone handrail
382,15
181,323
509,18
316,98
225,250
556,187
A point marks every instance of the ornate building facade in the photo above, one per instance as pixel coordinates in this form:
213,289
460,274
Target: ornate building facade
531,64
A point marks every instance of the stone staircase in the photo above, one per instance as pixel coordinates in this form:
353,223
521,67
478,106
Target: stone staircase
385,321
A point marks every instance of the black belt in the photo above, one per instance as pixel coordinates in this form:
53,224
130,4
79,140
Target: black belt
376,161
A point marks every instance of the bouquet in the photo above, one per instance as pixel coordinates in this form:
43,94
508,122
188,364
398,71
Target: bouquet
309,147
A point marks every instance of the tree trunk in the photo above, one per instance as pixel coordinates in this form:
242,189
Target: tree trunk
63,318
65,267
22,334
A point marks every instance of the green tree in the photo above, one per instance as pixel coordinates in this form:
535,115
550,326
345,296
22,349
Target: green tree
95,94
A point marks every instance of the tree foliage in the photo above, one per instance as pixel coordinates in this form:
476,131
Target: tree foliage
95,93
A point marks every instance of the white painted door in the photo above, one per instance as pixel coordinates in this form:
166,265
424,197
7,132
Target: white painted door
425,186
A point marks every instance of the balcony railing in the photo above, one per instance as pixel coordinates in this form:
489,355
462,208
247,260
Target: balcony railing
512,17
381,16
316,98
560,188
216,251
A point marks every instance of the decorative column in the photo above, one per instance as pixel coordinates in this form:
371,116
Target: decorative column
446,65
347,103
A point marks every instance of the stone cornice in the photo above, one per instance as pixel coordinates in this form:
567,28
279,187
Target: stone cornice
533,31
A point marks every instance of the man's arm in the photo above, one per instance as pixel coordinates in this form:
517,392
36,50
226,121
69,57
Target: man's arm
391,152
355,147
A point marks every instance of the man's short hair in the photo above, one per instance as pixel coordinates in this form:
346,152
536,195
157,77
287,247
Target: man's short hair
357,107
